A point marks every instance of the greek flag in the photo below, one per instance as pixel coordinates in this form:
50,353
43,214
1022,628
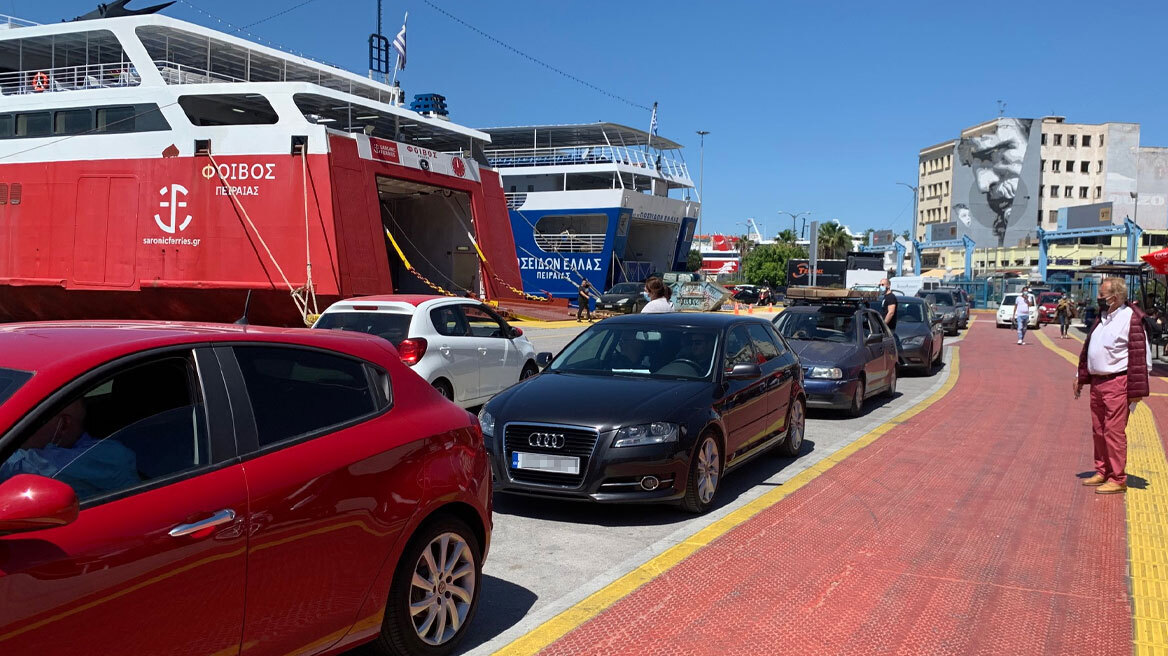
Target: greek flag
399,44
652,121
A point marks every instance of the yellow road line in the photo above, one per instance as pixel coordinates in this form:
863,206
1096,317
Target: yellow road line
1147,527
561,624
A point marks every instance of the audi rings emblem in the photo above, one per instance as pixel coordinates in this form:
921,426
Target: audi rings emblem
546,440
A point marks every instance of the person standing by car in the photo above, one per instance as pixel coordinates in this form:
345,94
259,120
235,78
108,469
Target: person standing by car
888,304
1022,313
582,297
1065,311
658,302
1115,362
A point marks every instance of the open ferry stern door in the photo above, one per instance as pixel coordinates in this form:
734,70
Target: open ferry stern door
430,227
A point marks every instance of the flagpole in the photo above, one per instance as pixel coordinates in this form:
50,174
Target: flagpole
652,124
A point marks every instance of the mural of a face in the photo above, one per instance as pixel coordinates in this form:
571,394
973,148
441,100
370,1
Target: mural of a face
996,160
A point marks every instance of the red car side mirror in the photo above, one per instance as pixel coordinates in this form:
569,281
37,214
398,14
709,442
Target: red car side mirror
31,503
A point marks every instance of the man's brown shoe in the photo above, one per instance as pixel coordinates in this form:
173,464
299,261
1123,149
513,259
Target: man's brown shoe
1097,479
1110,487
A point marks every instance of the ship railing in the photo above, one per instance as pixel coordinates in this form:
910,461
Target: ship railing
515,199
599,154
175,73
570,243
69,78
9,22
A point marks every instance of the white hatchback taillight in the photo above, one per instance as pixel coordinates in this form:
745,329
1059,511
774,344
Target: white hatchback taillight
411,350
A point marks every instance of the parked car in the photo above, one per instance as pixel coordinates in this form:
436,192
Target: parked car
188,488
919,331
752,294
945,306
625,297
1005,316
459,345
961,305
847,352
1048,306
648,408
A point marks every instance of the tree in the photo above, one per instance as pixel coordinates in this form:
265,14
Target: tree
767,264
694,261
744,246
788,237
834,240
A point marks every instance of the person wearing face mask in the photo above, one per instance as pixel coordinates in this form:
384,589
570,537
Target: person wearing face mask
1115,362
888,304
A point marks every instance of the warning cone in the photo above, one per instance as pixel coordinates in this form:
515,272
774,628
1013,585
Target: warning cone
750,309
735,308
771,307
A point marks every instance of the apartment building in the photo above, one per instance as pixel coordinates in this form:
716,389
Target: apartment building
934,179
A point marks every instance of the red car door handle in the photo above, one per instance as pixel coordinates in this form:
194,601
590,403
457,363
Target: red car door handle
221,517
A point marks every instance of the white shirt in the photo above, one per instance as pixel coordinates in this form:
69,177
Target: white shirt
1022,305
658,306
1107,352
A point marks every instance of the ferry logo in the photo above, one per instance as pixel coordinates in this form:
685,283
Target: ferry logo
175,191
458,166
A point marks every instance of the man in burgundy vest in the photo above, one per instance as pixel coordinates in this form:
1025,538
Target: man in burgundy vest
1115,362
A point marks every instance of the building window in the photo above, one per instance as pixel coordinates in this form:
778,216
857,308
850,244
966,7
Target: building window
1058,139
1068,191
1099,192
1086,141
1052,216
1100,169
1056,166
1054,191
1100,141
1082,192
1084,166
1044,166
1044,138
1071,140
1070,166
1041,191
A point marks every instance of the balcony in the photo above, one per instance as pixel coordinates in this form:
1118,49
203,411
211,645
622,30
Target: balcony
570,243
582,155
69,78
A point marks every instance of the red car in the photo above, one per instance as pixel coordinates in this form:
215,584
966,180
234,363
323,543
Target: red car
1048,307
208,489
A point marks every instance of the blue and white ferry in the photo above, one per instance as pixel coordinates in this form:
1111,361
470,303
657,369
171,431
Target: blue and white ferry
599,201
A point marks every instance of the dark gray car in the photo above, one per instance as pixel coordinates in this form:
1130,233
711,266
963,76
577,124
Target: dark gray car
919,331
944,305
961,303
624,297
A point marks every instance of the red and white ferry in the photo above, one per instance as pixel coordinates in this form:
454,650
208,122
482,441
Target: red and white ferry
154,168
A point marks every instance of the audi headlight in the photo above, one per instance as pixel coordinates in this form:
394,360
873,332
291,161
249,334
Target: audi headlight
658,432
834,373
913,342
487,422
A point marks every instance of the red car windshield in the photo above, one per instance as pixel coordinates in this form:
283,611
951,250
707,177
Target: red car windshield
1049,298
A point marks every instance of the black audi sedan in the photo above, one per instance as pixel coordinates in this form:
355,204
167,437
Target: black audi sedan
646,408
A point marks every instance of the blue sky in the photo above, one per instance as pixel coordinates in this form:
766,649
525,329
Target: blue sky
817,106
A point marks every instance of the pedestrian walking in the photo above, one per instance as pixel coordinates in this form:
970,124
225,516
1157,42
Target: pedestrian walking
658,302
584,299
1115,362
1065,310
1022,307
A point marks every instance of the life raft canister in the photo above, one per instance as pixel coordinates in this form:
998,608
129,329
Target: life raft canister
40,82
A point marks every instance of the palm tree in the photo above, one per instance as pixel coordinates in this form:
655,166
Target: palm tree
788,237
834,240
744,246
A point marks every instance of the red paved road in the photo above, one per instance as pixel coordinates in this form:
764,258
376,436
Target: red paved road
962,531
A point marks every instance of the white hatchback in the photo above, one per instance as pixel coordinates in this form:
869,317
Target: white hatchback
459,345
1005,318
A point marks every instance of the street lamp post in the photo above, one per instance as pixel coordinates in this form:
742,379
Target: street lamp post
701,177
916,196
795,216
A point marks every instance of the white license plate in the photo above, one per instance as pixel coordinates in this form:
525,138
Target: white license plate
545,462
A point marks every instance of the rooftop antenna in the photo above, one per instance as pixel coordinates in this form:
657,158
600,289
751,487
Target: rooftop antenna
1001,108
379,51
242,321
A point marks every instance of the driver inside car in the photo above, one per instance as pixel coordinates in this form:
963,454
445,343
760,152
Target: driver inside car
62,449
697,348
